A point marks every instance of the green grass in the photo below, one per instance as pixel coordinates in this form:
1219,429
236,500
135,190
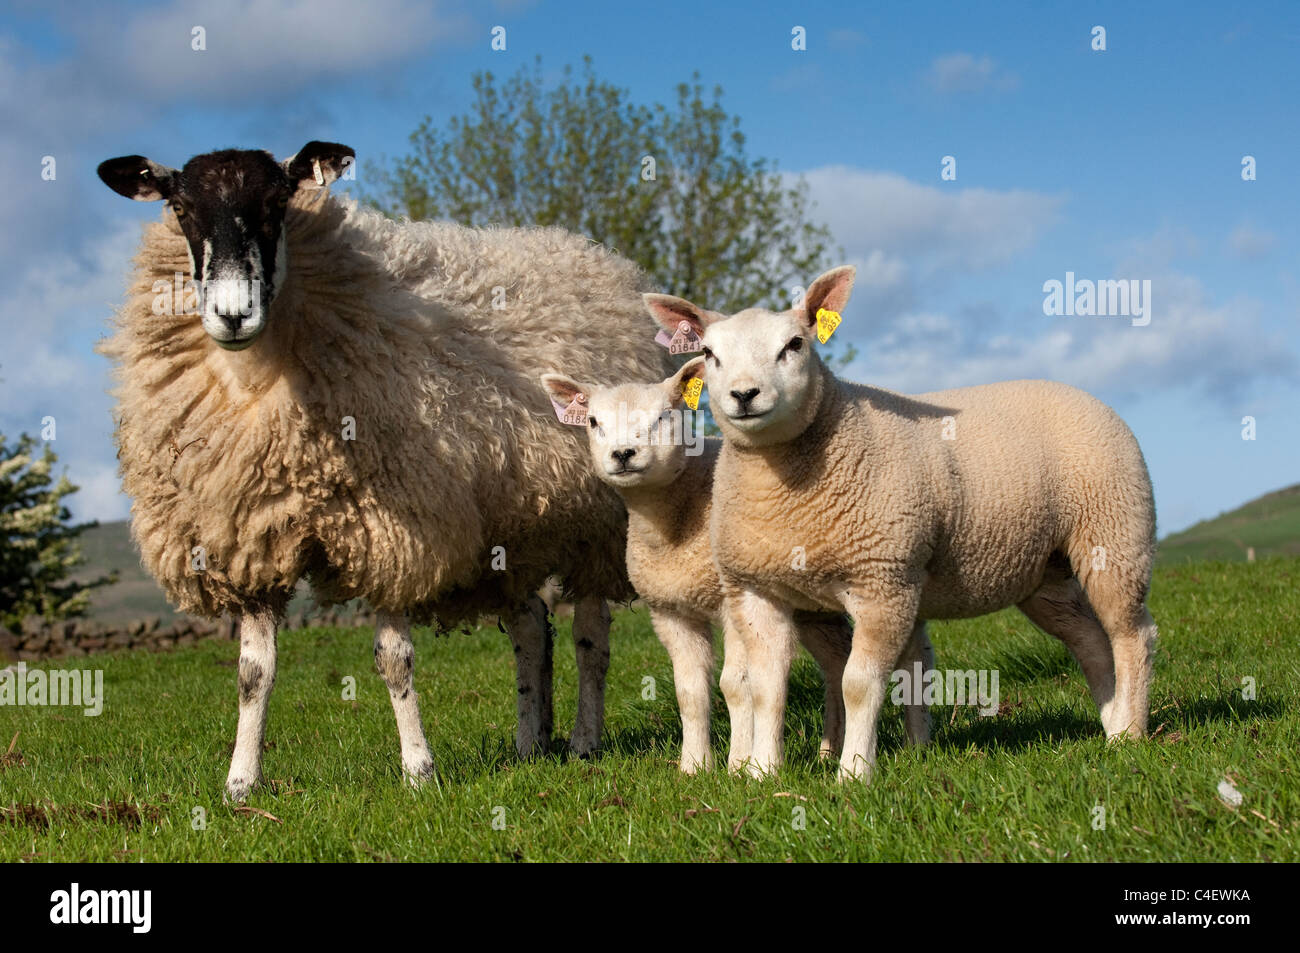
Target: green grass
1021,786
1270,525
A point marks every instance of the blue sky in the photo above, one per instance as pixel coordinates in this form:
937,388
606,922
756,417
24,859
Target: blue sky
1117,164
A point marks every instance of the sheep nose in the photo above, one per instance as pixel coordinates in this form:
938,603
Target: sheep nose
743,397
623,456
233,322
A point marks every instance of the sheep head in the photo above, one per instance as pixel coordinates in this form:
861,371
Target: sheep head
762,371
230,206
637,434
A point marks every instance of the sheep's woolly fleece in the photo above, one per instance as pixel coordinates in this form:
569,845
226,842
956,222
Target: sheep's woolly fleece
875,493
455,452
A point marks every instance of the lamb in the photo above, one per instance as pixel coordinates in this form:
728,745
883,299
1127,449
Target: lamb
943,505
667,491
354,401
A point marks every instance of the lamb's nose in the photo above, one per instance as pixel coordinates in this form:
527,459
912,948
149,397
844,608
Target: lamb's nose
233,322
743,397
623,456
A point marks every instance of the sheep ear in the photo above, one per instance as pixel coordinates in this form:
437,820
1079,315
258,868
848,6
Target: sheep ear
317,164
138,178
829,291
563,389
691,370
671,311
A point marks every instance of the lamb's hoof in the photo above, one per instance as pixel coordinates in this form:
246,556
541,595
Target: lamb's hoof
419,772
238,789
695,766
860,773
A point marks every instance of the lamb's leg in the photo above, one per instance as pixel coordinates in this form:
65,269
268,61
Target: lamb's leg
1060,609
530,635
734,683
591,643
1132,639
256,679
882,630
828,642
690,648
395,660
771,640
916,717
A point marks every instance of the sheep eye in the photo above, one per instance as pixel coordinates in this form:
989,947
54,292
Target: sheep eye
710,356
794,344
592,421
177,209
282,201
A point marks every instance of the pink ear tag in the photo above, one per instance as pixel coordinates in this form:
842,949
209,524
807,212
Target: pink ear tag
575,415
685,341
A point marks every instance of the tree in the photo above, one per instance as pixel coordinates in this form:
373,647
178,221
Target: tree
671,188
37,544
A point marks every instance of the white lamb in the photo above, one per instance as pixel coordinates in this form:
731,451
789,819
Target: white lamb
939,506
641,446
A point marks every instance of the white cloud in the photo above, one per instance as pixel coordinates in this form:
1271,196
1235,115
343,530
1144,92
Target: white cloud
1249,243
965,73
1219,350
964,228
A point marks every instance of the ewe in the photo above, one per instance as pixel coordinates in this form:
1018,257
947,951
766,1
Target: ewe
939,506
640,445
355,401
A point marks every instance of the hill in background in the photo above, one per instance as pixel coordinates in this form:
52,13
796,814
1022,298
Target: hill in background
1270,524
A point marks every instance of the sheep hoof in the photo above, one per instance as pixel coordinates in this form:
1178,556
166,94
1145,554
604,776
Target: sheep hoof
237,790
418,773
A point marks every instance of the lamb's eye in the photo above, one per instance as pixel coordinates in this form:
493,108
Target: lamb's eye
177,209
592,421
283,200
710,356
794,344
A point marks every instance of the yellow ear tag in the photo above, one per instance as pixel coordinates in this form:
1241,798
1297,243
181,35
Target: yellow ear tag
692,390
827,322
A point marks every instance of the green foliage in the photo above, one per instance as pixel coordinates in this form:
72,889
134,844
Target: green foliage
714,225
37,548
1021,786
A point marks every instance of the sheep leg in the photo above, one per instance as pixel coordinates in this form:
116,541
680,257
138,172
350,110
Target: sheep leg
395,660
690,649
881,633
771,639
828,643
916,717
1132,638
591,643
1061,610
257,658
734,683
529,633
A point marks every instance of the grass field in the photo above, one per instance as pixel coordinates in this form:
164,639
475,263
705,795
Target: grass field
1023,785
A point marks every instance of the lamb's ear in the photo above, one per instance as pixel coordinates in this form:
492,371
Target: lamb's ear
675,385
563,389
138,178
317,164
671,311
830,291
